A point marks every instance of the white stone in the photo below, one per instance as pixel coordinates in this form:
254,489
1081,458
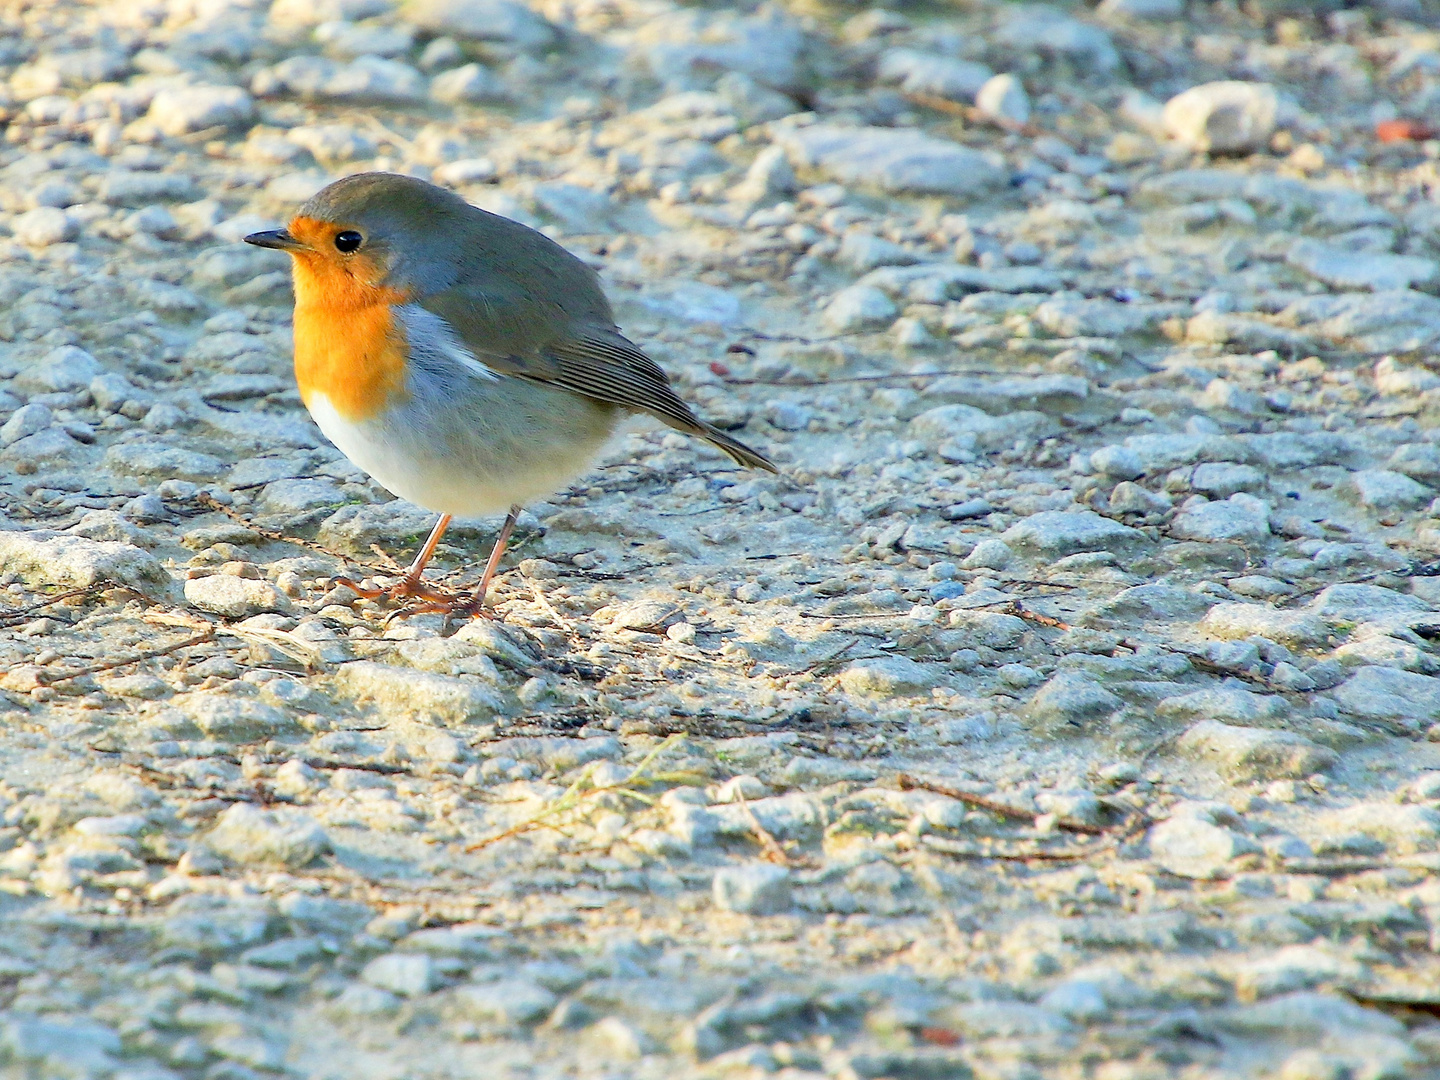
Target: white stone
1119,462
483,20
1194,848
919,72
1235,620
1382,489
1223,117
194,108
1142,9
891,676
509,1001
1386,693
468,83
858,308
50,558
990,554
26,420
248,835
43,226
892,159
1241,518
1070,703
1404,828
1004,97
756,889
1243,753
406,974
236,597
332,142
1057,533
1346,268
437,698
1353,602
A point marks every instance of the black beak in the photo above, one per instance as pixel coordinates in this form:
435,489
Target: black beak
278,239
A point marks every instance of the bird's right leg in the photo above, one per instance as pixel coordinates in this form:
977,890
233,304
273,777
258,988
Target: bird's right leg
412,584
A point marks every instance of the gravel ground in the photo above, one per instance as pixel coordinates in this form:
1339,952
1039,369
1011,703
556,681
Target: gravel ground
1067,707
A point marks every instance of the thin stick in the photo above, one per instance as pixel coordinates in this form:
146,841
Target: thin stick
773,851
544,601
912,783
197,639
20,613
206,500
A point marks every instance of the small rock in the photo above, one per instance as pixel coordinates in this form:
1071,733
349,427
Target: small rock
926,73
757,889
195,108
1223,117
1053,534
236,597
43,226
1192,847
407,974
250,836
1241,518
1069,703
1381,489
58,559
509,1001
619,1041
1346,268
437,698
891,676
991,554
25,421
1004,97
468,83
483,20
1386,693
893,159
859,308
1243,753
64,369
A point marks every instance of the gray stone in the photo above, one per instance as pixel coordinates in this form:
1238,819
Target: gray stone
756,889
25,421
61,1047
121,187
1056,533
1235,620
892,159
1382,489
509,1001
1051,32
1221,479
957,429
1394,321
44,226
155,459
406,974
1243,753
67,368
1386,693
1223,117
1069,703
1308,1014
299,496
1191,846
234,718
1142,9
859,308
1404,828
195,108
1346,268
926,73
236,597
990,554
47,558
1004,97
1120,462
1353,603
247,835
483,20
405,692
468,83
1241,518
890,676
1154,601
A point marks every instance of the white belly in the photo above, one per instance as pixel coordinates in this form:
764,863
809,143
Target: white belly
510,444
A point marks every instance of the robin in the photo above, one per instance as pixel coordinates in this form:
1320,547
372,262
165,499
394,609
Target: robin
466,362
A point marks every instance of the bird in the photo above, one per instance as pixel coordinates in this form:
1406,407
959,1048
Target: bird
465,361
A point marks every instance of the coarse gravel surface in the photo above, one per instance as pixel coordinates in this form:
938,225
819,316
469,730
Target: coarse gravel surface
1067,707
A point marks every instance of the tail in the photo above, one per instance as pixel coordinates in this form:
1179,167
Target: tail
742,454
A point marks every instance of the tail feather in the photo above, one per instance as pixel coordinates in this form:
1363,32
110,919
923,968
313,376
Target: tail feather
742,454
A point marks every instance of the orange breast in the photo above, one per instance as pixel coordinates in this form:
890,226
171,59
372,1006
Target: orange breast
349,345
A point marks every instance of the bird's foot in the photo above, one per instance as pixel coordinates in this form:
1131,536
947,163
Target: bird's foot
409,587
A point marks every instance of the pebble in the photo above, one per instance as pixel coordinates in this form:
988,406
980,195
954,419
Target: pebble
757,889
235,597
1223,117
1004,97
250,836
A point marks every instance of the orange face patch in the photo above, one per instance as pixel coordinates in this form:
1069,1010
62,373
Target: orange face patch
348,344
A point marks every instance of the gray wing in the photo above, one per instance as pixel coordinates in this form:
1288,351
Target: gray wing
597,362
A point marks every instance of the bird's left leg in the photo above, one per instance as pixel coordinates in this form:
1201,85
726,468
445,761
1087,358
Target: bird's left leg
412,584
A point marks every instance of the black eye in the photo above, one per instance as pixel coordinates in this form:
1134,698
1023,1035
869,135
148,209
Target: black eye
348,241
